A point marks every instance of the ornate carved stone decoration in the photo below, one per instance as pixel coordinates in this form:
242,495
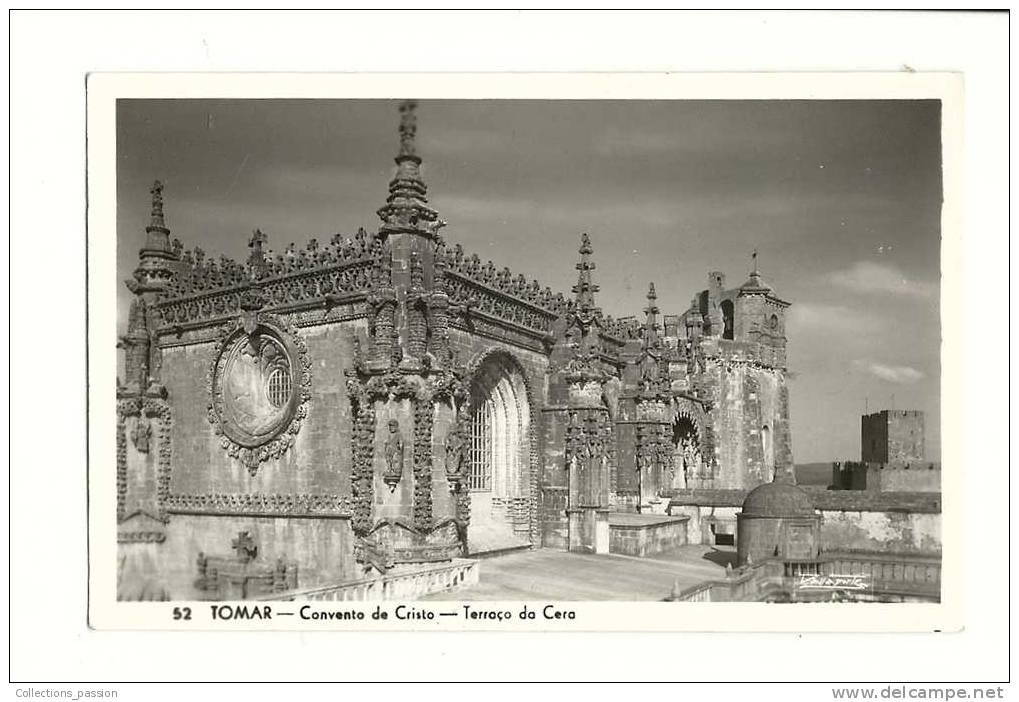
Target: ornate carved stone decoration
588,437
121,466
385,350
141,537
146,409
653,447
663,451
394,453
653,386
373,554
449,384
417,308
362,451
260,504
136,347
206,291
423,419
259,385
584,329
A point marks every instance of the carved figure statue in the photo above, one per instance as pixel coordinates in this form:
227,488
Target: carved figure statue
142,435
454,451
394,453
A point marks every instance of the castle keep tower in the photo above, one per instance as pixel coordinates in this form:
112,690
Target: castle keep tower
892,436
892,456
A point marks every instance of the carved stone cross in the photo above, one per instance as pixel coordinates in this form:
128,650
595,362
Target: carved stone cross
245,546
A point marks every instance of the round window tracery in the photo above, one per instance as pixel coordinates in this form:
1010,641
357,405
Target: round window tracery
259,386
256,390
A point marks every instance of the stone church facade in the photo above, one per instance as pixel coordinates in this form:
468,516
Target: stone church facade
347,409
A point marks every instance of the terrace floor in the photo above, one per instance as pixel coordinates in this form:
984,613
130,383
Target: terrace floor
544,574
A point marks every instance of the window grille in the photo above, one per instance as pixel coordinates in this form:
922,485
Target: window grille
481,448
278,387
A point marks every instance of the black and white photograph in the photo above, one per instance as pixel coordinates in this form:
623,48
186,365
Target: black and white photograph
509,346
557,350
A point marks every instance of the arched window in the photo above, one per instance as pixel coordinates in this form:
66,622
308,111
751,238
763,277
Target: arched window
727,319
687,441
481,447
499,429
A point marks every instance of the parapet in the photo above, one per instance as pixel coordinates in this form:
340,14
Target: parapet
918,476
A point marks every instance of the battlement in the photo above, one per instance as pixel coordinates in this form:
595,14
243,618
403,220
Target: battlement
887,477
751,353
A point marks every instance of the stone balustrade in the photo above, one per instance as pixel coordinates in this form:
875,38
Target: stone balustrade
407,585
909,576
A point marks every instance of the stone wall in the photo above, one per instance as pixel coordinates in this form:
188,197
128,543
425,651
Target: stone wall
913,478
884,531
746,400
875,477
705,521
319,461
553,493
322,549
903,522
649,538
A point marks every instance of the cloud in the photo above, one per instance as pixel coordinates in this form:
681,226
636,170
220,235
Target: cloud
870,277
892,374
832,319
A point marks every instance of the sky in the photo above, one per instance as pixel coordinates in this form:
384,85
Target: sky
842,200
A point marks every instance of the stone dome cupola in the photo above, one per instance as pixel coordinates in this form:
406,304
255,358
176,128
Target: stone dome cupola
778,520
777,499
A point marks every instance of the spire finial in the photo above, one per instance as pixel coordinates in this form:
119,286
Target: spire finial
153,271
652,303
408,128
406,209
753,257
157,223
257,264
651,318
585,288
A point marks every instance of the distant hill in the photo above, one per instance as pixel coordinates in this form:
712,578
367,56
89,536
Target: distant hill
813,474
